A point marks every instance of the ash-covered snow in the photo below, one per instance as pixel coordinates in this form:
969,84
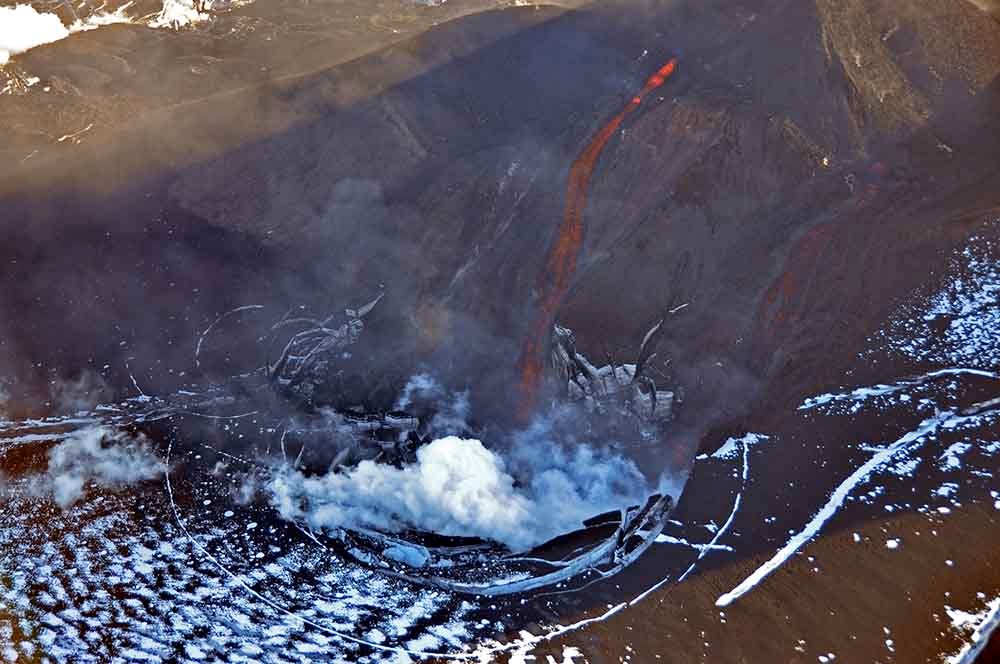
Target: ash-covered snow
957,329
116,577
206,586
957,325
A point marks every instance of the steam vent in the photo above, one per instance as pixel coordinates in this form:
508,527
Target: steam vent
500,331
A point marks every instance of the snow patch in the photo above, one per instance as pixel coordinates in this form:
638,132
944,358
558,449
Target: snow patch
950,459
731,448
956,325
22,27
177,14
980,624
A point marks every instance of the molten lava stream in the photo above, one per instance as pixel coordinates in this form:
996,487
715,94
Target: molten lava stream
562,257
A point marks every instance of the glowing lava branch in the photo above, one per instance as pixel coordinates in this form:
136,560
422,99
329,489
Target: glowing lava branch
562,257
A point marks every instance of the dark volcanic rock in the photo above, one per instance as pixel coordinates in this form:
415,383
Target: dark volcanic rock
795,143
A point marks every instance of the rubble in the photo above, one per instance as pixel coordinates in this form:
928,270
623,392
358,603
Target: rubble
629,389
484,569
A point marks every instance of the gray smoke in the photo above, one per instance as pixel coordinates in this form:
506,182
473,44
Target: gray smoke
423,392
82,393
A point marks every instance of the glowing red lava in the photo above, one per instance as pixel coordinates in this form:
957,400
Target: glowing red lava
562,256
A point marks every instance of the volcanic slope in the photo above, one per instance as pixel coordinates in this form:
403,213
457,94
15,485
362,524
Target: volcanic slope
786,182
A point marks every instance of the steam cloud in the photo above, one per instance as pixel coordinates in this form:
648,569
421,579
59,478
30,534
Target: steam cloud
450,411
97,455
80,394
539,489
458,487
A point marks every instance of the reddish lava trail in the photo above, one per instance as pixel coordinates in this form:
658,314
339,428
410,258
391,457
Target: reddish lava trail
562,257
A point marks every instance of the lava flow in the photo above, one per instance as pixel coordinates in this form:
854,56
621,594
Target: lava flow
562,256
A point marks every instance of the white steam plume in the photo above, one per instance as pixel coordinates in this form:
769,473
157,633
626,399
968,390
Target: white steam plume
458,487
541,487
95,455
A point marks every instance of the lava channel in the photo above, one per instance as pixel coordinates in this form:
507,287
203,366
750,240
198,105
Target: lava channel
565,250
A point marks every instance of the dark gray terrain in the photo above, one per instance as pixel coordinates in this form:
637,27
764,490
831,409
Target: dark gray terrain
819,182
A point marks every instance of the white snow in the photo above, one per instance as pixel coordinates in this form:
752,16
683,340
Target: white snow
946,490
669,539
962,620
862,394
950,459
904,467
181,13
968,308
22,27
981,625
731,448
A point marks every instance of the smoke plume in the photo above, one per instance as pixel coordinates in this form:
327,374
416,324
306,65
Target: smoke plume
81,393
99,456
534,485
458,487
